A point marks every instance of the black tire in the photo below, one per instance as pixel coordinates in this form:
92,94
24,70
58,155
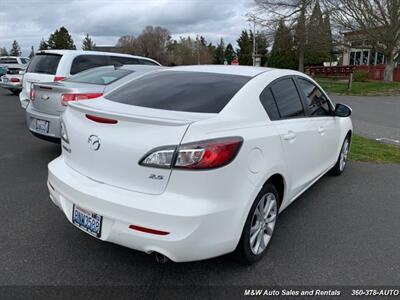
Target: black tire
243,252
337,168
15,92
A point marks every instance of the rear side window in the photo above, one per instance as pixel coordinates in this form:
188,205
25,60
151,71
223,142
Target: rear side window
9,60
287,98
85,62
124,60
268,101
198,92
99,76
44,64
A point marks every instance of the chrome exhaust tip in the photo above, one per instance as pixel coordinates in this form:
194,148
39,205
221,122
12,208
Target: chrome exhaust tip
160,258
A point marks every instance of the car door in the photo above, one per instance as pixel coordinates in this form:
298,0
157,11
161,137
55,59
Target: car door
283,103
319,109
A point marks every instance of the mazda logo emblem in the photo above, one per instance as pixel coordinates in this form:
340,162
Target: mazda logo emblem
45,97
94,142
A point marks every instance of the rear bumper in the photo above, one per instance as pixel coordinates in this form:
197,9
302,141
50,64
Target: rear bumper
53,134
11,86
197,228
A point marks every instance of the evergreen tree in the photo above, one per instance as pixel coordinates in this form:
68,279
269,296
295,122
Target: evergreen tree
3,52
229,53
317,45
283,54
61,39
245,49
43,45
88,44
32,54
262,47
219,53
15,49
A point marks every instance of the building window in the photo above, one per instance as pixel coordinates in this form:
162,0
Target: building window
380,59
365,57
352,57
358,58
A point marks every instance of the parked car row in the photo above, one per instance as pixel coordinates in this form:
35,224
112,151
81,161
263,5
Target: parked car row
188,162
13,64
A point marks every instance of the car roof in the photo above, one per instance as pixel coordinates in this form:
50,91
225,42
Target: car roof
85,52
224,69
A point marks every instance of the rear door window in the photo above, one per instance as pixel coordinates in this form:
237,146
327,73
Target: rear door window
85,62
148,62
198,92
287,98
124,60
44,63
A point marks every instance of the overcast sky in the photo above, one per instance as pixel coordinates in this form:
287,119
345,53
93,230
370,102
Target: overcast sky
28,21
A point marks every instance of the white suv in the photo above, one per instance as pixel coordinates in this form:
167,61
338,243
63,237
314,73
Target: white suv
55,65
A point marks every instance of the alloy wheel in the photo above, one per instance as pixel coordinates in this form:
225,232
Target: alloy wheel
263,223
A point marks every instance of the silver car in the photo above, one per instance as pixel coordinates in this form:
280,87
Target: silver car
49,100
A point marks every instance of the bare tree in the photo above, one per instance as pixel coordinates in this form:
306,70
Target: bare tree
376,20
153,42
292,12
127,44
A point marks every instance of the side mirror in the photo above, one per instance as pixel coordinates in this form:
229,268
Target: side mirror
342,110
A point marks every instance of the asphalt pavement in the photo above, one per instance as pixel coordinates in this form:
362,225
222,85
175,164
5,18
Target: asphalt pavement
374,117
343,231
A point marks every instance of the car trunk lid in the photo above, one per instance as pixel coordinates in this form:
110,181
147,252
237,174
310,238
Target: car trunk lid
48,95
110,152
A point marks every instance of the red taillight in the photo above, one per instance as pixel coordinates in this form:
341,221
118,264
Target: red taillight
13,79
32,94
148,230
65,98
58,78
101,120
208,154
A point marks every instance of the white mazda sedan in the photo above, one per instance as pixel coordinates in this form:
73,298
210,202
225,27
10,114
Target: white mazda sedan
194,162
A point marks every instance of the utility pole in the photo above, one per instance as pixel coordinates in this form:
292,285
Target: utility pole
252,20
198,49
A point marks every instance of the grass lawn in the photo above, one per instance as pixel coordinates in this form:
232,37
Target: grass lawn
371,88
363,149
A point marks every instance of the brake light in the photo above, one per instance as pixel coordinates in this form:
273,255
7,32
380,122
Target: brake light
13,79
202,155
101,120
58,78
65,98
32,93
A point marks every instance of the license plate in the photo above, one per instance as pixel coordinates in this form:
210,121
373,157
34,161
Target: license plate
87,221
5,80
42,126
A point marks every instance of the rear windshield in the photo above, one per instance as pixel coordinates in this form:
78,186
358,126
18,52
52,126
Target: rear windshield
99,76
9,60
44,64
181,91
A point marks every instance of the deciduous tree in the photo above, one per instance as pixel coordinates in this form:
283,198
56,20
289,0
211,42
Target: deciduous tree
375,20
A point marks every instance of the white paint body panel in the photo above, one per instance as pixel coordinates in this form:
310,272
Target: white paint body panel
204,211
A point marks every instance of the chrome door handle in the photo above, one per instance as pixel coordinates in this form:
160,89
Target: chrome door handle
289,136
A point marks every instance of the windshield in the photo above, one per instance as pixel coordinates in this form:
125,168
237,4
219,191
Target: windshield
100,76
181,91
